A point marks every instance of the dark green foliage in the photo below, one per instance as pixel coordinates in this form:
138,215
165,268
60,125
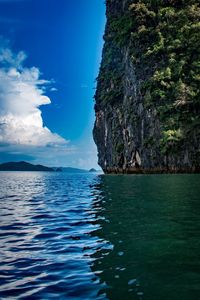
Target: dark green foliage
167,34
110,79
149,142
120,29
171,141
120,148
163,37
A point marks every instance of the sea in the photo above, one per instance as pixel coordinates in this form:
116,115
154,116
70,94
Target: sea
94,236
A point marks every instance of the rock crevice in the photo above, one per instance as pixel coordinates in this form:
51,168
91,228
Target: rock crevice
145,111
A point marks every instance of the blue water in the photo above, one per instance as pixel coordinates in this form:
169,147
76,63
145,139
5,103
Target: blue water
90,236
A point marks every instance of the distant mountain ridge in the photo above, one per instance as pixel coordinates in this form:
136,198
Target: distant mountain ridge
23,166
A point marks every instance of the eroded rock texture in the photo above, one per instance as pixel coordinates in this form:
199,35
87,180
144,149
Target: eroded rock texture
147,101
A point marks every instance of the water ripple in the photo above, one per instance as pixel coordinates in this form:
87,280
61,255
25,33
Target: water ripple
85,236
45,232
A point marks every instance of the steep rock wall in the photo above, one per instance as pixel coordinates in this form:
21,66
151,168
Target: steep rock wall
147,112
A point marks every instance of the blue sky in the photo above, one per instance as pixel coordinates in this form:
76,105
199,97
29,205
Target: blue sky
50,51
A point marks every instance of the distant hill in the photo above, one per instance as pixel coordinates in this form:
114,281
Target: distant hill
23,166
92,170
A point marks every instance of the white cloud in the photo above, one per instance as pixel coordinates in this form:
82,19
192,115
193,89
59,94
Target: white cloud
53,89
23,136
10,59
21,95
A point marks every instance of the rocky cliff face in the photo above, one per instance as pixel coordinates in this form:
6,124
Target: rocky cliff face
147,101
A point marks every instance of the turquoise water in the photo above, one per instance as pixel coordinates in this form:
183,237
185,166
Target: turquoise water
88,236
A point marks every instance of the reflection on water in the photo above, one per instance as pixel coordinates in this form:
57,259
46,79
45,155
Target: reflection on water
153,223
85,236
45,242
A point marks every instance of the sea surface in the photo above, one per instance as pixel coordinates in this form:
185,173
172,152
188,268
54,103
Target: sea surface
91,236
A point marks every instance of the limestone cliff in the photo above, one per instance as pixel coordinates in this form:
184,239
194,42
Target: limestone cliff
147,100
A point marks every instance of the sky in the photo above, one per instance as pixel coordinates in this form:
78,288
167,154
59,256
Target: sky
50,52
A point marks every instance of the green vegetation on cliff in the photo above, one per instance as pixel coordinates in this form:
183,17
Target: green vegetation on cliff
163,42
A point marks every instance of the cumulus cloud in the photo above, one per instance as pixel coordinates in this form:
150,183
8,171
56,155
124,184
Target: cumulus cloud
21,95
23,135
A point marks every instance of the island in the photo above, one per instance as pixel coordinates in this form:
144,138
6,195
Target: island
147,101
92,170
23,166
